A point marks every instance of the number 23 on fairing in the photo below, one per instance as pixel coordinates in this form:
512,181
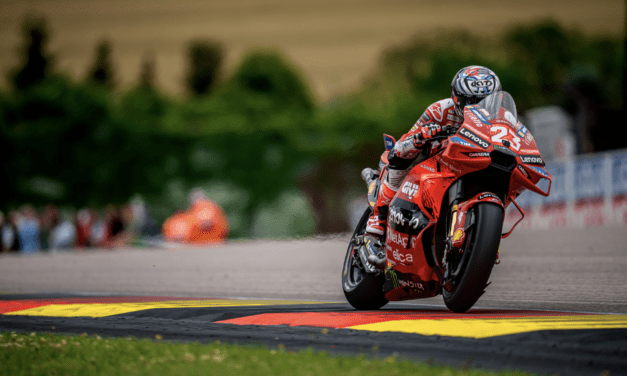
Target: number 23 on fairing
501,133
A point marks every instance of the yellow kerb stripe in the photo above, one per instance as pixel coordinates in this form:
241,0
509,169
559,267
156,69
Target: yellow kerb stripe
110,309
483,328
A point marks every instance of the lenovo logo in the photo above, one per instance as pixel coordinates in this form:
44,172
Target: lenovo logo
464,132
532,159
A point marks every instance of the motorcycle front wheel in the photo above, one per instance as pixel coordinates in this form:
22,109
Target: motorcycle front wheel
469,272
362,290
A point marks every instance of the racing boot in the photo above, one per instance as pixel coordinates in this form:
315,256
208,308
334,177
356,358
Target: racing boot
374,238
378,221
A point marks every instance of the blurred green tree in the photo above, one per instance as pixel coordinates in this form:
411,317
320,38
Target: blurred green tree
101,71
205,60
542,53
36,61
265,76
147,74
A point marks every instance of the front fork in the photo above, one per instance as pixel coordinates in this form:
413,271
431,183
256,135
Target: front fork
458,227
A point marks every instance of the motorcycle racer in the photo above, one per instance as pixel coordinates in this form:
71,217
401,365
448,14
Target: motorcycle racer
469,86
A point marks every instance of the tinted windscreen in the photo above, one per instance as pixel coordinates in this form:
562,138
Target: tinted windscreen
494,102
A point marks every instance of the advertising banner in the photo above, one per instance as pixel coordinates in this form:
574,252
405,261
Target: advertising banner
587,190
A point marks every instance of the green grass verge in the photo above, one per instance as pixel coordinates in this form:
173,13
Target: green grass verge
53,354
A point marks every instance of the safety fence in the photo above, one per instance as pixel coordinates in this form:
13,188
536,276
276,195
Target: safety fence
588,190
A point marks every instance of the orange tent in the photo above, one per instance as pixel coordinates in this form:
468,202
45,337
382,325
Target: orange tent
204,223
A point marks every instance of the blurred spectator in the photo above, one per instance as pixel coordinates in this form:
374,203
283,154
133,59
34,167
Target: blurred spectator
114,221
1,226
203,223
176,228
115,226
63,233
29,231
143,223
1,232
83,222
47,218
99,231
10,242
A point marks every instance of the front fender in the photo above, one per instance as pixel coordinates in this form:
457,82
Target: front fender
460,215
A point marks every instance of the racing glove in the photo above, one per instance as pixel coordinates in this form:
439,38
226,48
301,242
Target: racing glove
426,132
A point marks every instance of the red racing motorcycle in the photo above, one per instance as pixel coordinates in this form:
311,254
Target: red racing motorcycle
445,222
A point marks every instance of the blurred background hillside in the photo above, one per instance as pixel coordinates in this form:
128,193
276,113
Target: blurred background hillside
272,107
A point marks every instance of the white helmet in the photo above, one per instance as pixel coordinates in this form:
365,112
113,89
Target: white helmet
472,84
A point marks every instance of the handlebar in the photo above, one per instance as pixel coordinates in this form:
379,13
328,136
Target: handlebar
444,133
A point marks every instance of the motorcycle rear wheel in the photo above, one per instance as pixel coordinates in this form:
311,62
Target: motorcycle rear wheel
476,265
363,290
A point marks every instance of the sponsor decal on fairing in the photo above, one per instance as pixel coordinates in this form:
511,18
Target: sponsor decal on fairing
505,150
389,142
395,216
411,284
427,167
458,140
528,138
476,155
410,189
458,235
476,122
450,166
405,258
522,130
477,113
522,171
399,239
532,159
466,133
540,171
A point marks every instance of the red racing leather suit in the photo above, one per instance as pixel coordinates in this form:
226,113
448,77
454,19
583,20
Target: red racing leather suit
404,154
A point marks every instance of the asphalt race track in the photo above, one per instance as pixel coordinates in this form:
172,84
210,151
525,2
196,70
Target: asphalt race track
556,304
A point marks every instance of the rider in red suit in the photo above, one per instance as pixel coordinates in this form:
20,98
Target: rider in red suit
469,86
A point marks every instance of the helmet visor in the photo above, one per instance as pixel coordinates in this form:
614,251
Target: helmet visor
462,101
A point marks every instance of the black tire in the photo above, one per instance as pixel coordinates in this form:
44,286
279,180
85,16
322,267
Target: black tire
362,290
481,248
